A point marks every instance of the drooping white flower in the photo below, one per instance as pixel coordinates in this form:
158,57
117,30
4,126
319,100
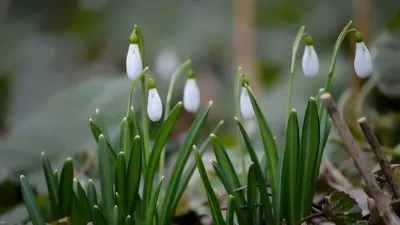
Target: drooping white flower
166,63
362,59
245,104
310,61
134,63
191,94
154,105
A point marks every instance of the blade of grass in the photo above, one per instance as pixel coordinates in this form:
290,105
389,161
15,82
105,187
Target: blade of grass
151,212
308,157
99,218
85,209
115,216
52,187
158,146
135,127
75,218
106,181
251,192
230,211
122,210
31,204
268,142
264,196
125,136
101,124
120,175
133,175
66,191
184,153
128,220
212,199
91,194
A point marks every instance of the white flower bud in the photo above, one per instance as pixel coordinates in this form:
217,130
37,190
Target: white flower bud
362,61
154,105
310,61
245,105
191,95
133,62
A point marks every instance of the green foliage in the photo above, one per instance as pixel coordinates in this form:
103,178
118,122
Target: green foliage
343,209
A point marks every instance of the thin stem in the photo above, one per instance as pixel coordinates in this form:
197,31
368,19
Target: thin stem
358,156
145,121
135,82
312,216
383,162
237,115
167,109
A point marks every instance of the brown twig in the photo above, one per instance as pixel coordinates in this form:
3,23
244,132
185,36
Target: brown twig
381,201
373,211
312,216
383,162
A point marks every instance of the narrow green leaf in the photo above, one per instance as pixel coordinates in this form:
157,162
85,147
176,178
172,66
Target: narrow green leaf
251,192
133,175
240,212
128,220
153,203
122,210
158,146
101,124
308,157
106,181
138,214
125,136
31,204
99,218
91,194
66,189
230,211
258,213
115,216
184,153
262,186
85,209
268,142
212,199
76,217
187,174
52,187
95,130
120,175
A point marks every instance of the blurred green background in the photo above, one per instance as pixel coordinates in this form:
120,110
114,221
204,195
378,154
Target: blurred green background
60,60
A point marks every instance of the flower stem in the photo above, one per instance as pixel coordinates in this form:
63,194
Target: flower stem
135,82
145,121
237,115
174,77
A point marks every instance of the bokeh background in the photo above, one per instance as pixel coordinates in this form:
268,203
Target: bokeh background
61,60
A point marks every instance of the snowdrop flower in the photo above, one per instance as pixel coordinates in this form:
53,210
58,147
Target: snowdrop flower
134,63
166,63
310,62
154,105
362,59
245,104
191,94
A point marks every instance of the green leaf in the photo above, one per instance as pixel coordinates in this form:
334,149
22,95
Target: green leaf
66,190
251,192
76,218
158,146
262,186
342,208
128,220
85,209
52,187
99,218
91,194
268,142
115,216
141,42
125,136
212,199
187,174
230,211
151,212
106,181
101,124
184,153
95,130
120,175
308,157
122,210
133,175
30,202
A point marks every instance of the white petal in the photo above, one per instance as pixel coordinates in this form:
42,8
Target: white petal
191,95
362,61
154,105
166,63
310,61
245,105
133,62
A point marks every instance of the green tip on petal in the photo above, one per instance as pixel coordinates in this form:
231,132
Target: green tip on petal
134,38
308,40
151,83
190,74
245,81
359,37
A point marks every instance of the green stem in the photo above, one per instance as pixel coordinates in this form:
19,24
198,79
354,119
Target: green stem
174,77
296,43
135,82
237,115
145,121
